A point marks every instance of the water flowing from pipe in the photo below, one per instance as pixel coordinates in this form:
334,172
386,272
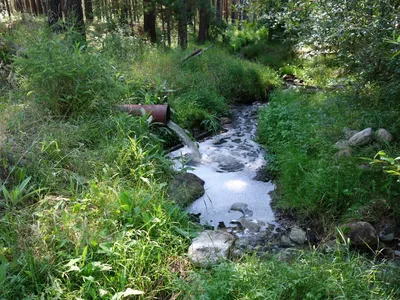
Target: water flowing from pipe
186,140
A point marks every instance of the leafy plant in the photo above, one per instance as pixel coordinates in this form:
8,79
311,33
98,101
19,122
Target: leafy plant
389,165
17,194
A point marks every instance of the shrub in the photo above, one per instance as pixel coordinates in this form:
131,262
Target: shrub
66,78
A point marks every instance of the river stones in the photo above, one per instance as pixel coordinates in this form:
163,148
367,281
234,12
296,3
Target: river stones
185,188
210,247
348,133
387,233
361,138
298,235
360,233
251,224
342,144
229,163
382,135
243,208
219,141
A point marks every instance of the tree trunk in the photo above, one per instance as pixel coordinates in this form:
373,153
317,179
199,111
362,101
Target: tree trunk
74,16
33,7
234,14
219,10
202,25
7,5
150,19
19,6
182,25
39,6
163,18
28,7
88,10
53,12
130,15
169,27
226,10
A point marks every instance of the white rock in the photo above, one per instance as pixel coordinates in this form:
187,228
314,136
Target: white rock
383,135
210,247
298,235
361,138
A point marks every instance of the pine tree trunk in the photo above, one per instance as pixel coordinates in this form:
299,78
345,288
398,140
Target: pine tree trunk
27,6
19,6
150,19
164,33
7,5
182,27
219,10
74,15
202,25
234,14
226,10
39,6
33,7
53,11
88,10
169,27
130,16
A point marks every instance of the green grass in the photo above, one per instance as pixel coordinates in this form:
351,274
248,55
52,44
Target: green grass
300,129
307,275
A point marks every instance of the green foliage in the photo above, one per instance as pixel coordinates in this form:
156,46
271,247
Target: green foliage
16,195
310,275
66,78
249,33
391,165
299,131
200,88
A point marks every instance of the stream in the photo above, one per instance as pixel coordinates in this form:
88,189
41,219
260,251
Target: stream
228,163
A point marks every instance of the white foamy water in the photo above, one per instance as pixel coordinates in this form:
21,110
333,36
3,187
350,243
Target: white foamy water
229,162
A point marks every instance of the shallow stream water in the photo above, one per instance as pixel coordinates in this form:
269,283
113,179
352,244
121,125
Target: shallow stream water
228,164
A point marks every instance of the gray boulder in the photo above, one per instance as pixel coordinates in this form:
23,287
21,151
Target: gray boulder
286,241
360,233
210,247
185,188
387,233
298,235
251,224
382,135
330,246
288,254
348,133
243,208
225,120
361,138
342,144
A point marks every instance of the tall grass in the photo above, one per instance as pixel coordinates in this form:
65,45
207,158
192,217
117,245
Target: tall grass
307,275
300,130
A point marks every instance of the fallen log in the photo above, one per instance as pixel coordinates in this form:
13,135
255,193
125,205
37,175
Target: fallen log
197,53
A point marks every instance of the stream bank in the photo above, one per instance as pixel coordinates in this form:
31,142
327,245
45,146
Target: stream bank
237,192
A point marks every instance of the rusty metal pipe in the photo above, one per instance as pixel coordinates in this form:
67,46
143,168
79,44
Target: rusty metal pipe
161,113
